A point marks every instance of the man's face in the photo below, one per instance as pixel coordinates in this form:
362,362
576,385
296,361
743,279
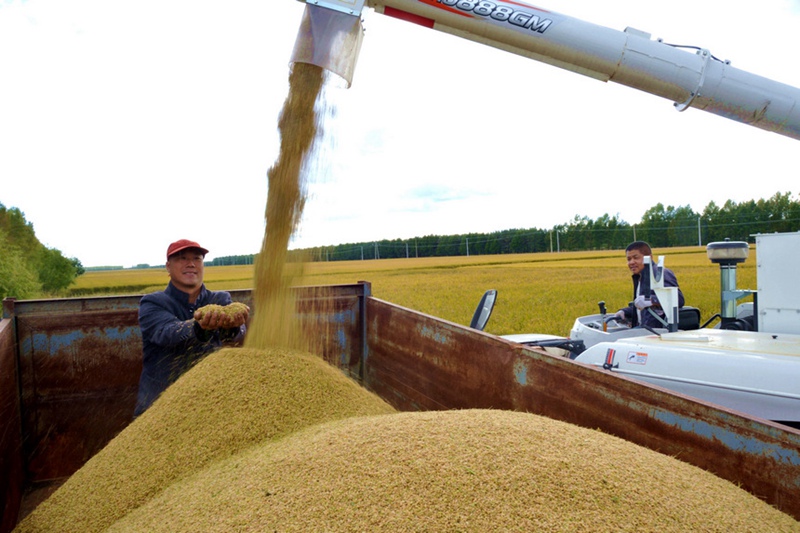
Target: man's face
635,260
185,269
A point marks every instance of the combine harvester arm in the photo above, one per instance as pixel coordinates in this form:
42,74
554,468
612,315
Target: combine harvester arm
330,36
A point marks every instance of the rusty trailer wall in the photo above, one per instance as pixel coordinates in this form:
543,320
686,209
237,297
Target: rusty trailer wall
418,362
79,364
12,474
332,321
69,373
76,365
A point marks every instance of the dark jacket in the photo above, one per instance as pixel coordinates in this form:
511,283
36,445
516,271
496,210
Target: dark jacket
172,341
648,319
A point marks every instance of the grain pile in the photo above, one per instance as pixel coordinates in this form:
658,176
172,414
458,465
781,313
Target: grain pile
273,440
230,401
471,470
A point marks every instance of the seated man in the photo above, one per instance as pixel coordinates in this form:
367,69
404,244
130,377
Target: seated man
174,335
637,313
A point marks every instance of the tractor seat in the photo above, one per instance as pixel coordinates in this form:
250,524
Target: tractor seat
688,318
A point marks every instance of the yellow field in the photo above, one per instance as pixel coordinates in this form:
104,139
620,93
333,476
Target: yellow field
541,292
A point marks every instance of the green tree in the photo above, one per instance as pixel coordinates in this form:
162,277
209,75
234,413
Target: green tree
780,211
19,232
29,266
710,223
79,270
17,279
682,228
653,226
56,272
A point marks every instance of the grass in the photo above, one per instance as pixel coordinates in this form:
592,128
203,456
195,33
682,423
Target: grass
541,292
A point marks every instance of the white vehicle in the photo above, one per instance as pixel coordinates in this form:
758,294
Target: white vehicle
753,372
749,362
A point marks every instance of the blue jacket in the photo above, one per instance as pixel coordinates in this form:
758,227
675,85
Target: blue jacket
172,342
648,319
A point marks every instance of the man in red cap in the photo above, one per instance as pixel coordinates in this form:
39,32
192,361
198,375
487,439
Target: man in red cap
172,339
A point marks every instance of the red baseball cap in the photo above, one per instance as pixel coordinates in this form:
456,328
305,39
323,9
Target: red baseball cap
183,244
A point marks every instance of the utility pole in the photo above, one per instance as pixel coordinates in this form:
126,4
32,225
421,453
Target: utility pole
699,236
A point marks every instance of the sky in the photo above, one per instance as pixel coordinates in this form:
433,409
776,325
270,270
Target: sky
126,125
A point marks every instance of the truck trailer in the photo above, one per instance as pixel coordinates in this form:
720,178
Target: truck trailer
70,370
70,367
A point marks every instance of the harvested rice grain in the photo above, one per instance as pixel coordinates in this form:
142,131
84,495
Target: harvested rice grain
470,470
231,400
231,310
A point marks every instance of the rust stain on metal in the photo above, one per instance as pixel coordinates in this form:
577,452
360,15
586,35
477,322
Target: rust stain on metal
79,373
12,474
331,321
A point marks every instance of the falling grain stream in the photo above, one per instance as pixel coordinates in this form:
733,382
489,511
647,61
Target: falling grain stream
298,126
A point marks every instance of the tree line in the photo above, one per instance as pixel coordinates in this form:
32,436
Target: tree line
661,226
28,269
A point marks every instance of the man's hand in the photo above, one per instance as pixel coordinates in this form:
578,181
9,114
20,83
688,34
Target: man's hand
642,303
216,316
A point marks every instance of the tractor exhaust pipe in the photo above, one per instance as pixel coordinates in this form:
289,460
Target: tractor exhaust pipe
330,36
728,254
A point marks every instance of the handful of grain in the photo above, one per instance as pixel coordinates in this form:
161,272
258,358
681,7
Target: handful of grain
215,316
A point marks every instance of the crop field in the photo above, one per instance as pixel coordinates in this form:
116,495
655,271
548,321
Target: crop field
541,293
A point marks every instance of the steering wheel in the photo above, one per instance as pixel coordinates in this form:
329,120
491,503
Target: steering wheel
613,321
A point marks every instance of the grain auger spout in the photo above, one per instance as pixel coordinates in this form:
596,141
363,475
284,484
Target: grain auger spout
686,75
330,36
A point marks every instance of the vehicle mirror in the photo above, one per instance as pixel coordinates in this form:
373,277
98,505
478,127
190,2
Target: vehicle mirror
484,310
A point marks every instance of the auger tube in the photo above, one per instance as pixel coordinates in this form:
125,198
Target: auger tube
631,58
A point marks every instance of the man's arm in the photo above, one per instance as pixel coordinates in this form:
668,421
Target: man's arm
162,327
627,314
671,281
